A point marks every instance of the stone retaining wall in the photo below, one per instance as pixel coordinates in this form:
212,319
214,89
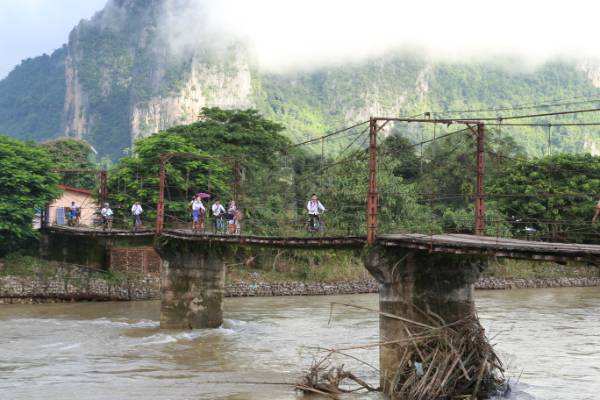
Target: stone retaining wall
28,290
491,283
34,290
260,289
242,289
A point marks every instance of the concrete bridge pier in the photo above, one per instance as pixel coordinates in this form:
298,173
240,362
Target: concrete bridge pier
412,283
192,284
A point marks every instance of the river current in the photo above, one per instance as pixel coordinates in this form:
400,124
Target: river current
549,340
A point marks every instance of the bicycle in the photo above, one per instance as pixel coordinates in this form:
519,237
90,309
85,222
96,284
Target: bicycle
137,222
107,223
315,223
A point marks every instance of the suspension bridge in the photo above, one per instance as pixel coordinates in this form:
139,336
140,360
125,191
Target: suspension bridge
414,262
356,208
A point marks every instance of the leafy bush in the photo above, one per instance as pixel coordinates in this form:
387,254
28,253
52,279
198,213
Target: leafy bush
27,184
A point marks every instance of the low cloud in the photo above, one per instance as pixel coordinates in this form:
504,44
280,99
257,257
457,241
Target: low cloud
308,33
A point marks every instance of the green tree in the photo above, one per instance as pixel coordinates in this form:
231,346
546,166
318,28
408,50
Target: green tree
402,150
265,157
74,156
345,193
554,195
137,178
27,183
447,182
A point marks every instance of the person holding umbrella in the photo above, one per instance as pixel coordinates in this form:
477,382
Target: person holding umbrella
198,211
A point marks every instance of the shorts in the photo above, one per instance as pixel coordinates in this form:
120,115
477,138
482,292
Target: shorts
196,215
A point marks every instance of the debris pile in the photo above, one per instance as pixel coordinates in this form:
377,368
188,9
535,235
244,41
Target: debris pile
453,361
436,361
322,378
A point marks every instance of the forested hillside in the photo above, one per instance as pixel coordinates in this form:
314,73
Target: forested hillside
118,79
32,98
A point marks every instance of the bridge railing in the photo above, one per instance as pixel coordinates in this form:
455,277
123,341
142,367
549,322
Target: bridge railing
91,218
263,221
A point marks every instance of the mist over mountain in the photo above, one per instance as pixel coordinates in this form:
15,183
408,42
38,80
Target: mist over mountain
140,66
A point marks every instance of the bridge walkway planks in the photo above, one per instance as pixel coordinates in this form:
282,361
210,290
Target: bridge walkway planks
306,242
99,232
493,246
442,243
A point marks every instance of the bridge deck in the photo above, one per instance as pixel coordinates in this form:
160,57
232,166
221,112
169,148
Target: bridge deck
270,241
494,246
443,243
99,232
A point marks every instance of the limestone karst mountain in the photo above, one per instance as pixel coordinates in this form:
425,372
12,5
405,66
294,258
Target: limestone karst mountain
120,77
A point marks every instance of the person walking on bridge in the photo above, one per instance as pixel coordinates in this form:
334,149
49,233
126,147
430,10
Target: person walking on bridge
198,212
313,207
136,212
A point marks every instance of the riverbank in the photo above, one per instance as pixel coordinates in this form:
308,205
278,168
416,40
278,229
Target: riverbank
33,280
21,290
25,279
263,289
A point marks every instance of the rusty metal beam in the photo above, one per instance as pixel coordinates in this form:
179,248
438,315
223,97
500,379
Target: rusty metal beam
160,206
373,196
480,189
429,120
103,187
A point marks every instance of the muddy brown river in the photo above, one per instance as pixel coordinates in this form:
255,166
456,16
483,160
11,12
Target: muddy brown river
549,340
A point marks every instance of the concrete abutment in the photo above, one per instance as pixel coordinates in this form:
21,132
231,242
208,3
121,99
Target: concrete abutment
192,284
418,286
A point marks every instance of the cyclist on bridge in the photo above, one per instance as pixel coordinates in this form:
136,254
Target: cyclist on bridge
107,217
313,207
218,212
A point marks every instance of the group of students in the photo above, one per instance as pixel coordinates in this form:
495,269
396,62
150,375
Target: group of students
106,213
232,215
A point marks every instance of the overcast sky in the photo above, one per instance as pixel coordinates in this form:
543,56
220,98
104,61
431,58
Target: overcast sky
29,28
308,32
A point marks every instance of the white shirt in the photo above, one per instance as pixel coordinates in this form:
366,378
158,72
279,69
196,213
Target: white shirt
136,209
313,207
218,209
197,205
106,212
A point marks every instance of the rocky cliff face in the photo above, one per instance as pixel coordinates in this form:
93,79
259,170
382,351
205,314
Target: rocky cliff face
123,80
75,113
223,85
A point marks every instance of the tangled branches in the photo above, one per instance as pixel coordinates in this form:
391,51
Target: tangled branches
325,379
432,361
446,362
